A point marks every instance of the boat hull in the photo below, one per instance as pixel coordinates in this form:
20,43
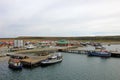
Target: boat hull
99,54
15,67
46,63
14,63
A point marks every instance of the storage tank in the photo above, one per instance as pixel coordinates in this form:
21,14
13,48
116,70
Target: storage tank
21,43
15,43
18,43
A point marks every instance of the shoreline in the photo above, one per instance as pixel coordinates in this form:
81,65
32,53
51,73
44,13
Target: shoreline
6,58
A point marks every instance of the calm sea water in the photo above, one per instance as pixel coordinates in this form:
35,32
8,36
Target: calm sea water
73,67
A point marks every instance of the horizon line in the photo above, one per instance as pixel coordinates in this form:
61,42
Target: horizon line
62,36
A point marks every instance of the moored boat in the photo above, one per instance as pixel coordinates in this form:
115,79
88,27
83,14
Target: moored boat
100,53
52,60
14,63
99,47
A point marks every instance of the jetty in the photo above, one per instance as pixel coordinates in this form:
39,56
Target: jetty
33,61
115,53
85,51
77,50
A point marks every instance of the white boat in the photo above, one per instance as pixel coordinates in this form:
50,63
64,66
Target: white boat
30,46
52,60
99,47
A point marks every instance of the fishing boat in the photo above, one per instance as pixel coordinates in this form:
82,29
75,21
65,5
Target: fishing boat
99,53
14,63
52,60
99,47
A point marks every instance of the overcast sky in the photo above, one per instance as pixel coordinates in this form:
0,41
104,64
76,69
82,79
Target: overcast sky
59,17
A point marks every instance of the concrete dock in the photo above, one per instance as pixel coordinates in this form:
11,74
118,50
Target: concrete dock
33,61
115,53
85,51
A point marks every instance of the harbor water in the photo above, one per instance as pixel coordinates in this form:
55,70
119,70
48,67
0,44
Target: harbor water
73,67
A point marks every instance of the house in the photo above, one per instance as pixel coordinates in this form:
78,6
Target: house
62,43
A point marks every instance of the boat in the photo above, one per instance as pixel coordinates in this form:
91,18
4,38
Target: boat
83,44
99,47
102,53
52,60
14,63
30,46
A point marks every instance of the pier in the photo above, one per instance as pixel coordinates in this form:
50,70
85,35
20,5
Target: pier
77,51
33,61
115,53
85,51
